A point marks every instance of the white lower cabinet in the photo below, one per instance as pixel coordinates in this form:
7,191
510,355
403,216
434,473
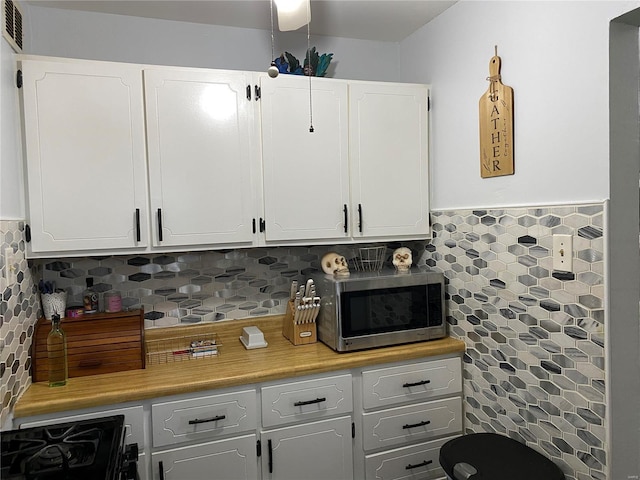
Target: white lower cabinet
384,422
407,412
311,451
230,459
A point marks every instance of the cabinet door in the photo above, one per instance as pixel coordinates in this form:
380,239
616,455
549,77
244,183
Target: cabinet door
388,154
306,187
311,451
85,155
231,459
199,137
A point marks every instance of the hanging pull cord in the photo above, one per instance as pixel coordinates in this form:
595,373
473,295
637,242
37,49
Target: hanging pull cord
309,71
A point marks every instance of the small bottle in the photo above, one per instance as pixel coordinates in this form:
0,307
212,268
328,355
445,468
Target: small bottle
57,353
90,298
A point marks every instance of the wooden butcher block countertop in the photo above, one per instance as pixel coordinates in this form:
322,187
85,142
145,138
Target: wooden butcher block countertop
233,366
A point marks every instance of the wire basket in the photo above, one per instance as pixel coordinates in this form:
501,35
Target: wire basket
183,348
370,259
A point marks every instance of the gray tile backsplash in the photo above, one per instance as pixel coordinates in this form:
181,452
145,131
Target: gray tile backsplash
18,313
534,368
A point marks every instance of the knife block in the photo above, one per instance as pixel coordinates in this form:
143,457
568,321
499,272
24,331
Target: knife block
298,333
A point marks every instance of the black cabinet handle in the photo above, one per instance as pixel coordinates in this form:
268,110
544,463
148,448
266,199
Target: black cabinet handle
346,216
159,224
253,223
421,424
418,465
207,420
137,224
416,384
248,92
161,468
310,402
360,217
258,91
270,450
263,225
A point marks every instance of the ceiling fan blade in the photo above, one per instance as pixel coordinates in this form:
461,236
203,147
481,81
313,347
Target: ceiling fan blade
293,14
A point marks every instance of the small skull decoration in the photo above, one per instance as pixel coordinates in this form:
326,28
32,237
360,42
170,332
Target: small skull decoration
402,259
334,264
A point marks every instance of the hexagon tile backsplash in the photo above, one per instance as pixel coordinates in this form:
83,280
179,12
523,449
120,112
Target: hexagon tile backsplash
18,313
534,366
534,363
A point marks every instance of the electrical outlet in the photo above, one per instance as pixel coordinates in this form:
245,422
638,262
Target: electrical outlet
563,253
10,266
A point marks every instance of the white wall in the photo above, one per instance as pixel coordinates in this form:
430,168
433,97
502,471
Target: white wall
97,36
11,179
555,56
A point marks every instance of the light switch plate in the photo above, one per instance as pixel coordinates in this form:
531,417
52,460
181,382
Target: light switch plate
10,266
563,253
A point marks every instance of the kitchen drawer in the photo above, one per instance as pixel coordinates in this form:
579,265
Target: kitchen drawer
306,400
230,459
411,383
422,421
133,422
417,461
203,417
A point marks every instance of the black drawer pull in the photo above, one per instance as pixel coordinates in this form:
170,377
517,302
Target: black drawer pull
161,469
270,450
423,464
421,424
207,420
416,384
310,402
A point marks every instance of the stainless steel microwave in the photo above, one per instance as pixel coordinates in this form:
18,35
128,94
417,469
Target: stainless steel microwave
367,310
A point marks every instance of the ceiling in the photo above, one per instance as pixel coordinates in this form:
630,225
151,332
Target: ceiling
382,20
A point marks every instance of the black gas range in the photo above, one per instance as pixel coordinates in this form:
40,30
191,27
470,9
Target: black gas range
80,450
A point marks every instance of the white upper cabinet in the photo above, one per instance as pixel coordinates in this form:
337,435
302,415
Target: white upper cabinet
306,177
388,127
85,156
199,135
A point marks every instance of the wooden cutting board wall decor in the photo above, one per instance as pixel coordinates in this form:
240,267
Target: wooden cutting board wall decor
496,125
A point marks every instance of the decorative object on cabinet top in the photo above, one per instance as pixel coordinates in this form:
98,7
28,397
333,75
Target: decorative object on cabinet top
315,65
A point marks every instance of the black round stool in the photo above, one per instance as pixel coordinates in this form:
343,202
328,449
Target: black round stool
489,456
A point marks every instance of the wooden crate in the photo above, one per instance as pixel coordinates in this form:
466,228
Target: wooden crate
96,343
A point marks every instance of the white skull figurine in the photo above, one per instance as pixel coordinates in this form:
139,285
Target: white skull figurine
402,259
334,264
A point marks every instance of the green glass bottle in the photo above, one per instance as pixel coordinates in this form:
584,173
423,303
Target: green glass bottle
57,353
